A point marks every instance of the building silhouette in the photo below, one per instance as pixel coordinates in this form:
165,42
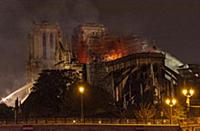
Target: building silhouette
47,49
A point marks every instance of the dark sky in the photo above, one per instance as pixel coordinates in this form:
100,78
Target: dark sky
173,25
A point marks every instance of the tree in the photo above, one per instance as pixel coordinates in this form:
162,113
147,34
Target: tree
6,112
100,103
178,112
48,96
55,94
145,112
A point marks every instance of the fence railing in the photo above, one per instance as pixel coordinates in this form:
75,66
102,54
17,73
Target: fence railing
88,121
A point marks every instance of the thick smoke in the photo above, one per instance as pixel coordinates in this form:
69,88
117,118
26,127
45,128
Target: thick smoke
17,17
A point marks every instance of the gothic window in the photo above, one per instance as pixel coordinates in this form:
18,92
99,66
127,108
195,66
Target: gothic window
51,40
44,45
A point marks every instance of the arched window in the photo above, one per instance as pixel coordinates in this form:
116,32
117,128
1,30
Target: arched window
51,40
44,39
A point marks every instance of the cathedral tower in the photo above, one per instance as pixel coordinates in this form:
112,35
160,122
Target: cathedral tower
47,49
83,36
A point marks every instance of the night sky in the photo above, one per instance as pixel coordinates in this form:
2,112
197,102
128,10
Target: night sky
173,25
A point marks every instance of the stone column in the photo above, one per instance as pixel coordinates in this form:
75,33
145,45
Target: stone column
54,44
40,44
48,52
36,45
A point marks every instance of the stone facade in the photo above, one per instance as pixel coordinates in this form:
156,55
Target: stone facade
47,49
84,35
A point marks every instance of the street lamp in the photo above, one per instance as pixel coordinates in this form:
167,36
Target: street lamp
171,102
188,93
81,90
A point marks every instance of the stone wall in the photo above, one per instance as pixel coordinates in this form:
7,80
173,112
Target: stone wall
88,128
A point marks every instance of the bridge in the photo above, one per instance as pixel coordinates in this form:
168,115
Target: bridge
59,124
62,124
89,127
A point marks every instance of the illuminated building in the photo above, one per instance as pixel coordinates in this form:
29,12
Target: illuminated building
126,66
47,49
83,37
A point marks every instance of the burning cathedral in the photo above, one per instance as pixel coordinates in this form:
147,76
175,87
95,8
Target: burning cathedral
128,66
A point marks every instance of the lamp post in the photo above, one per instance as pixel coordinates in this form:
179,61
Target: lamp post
171,102
81,90
188,93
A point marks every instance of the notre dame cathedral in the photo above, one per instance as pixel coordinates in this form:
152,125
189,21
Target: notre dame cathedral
47,49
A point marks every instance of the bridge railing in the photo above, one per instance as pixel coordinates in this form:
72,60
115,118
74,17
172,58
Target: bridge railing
87,121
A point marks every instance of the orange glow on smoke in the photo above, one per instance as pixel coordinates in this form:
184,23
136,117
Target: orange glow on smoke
82,53
110,48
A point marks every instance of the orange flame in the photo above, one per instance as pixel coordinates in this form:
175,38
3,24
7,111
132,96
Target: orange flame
110,48
114,54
